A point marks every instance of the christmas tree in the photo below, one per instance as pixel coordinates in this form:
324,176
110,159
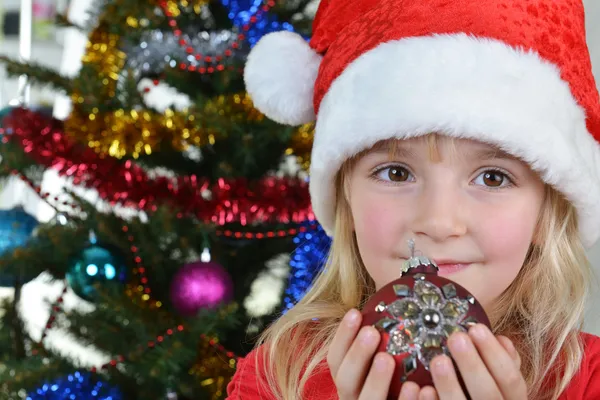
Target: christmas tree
222,239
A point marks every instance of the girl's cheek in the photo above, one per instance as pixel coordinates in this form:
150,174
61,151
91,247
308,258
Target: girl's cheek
379,228
508,236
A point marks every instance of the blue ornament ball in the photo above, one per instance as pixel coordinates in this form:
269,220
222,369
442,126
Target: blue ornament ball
16,229
78,385
307,260
96,265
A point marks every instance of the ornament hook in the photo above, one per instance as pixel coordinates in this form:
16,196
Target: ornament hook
415,261
411,247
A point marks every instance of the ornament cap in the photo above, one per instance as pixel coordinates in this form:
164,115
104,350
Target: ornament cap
417,264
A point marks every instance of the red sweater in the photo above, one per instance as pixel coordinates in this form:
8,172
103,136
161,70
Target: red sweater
246,385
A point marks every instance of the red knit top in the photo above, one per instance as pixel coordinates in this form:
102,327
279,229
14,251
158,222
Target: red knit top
246,385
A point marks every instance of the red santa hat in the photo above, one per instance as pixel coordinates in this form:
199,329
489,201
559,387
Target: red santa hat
512,73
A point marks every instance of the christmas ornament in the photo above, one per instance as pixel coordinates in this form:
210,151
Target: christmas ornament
200,285
96,265
309,257
269,199
415,316
77,385
16,228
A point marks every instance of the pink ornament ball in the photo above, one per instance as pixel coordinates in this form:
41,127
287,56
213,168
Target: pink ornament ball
200,285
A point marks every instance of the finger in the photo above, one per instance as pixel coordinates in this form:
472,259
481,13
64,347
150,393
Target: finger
510,348
378,381
428,393
355,365
499,363
409,391
342,340
478,379
445,379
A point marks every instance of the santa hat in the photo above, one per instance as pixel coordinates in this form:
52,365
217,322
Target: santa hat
516,74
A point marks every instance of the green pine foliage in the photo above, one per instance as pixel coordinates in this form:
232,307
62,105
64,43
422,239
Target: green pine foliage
121,325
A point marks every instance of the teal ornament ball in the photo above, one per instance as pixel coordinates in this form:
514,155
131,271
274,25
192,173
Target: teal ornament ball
16,231
97,266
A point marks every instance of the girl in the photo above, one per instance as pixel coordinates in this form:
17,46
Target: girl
471,126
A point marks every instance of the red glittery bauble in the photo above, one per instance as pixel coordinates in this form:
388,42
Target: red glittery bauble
415,316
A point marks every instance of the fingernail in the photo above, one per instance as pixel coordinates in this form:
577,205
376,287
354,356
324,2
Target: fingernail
458,342
410,391
479,331
441,365
367,336
382,363
428,393
351,318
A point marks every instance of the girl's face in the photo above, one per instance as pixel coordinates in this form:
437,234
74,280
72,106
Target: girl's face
473,210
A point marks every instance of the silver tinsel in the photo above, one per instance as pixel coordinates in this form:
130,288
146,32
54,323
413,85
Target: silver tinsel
158,50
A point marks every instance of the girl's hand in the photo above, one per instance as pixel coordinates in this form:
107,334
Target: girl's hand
489,365
350,358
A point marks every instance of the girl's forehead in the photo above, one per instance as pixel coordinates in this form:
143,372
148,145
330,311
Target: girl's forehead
437,145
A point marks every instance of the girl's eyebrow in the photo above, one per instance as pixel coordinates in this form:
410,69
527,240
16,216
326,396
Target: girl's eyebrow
491,153
392,148
478,154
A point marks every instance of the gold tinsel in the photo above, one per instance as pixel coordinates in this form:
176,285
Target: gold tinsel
173,6
134,132
214,368
121,132
301,144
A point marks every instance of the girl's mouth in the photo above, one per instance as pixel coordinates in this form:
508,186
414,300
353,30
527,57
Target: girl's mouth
451,268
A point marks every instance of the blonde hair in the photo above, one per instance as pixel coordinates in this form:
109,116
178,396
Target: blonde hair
541,311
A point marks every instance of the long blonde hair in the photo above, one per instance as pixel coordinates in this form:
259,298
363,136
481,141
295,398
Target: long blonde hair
541,311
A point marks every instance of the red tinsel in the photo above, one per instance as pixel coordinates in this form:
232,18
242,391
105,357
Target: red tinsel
269,199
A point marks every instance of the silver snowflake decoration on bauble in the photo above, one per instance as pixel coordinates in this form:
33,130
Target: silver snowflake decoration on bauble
421,319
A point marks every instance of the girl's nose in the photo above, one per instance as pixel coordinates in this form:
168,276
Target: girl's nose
438,215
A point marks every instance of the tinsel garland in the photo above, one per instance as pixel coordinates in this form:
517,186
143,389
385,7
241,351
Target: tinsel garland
301,144
120,132
134,131
269,199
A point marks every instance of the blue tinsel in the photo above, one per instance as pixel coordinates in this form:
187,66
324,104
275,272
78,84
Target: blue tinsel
241,11
80,386
307,260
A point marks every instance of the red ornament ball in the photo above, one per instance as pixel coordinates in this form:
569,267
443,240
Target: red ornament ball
416,315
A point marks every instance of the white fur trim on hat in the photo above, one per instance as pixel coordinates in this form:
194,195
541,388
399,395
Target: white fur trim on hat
466,87
280,76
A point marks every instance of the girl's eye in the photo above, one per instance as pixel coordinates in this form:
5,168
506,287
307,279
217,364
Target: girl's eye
394,173
493,178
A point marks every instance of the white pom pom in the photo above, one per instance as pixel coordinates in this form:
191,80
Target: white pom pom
280,75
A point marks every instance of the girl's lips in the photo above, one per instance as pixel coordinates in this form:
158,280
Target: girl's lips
448,269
